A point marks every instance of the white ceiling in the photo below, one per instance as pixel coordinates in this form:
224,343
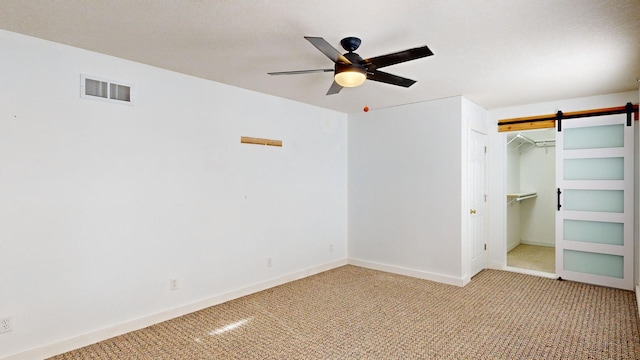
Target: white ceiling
495,53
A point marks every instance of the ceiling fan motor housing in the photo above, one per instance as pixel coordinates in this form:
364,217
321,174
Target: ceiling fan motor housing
356,62
353,57
340,67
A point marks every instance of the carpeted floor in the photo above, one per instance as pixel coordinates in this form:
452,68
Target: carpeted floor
356,313
540,258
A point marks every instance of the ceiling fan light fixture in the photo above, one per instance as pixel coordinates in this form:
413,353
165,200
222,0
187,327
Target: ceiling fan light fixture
348,75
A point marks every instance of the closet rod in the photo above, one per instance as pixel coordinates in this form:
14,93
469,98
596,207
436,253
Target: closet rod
517,123
545,143
526,197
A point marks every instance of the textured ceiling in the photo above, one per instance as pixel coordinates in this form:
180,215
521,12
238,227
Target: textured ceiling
495,53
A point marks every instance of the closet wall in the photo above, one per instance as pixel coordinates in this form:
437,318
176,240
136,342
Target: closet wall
531,169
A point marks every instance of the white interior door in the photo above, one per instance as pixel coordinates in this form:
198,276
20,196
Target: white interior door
477,200
594,221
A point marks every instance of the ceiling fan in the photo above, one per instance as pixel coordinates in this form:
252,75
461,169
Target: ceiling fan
351,70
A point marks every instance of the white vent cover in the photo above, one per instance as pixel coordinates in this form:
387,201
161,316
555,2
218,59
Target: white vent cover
99,89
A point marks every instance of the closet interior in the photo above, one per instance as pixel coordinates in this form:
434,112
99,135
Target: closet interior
531,200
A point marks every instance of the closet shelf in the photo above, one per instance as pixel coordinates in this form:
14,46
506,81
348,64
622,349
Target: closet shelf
520,196
521,139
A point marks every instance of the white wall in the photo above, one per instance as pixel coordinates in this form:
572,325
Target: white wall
512,172
512,167
102,203
405,189
537,174
497,158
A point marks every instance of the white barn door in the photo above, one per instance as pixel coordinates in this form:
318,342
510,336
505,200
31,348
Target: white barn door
594,221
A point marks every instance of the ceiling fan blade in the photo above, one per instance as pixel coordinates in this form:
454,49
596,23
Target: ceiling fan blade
334,89
398,57
296,72
384,77
326,48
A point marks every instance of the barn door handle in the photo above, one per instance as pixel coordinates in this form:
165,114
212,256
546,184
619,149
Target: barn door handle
559,205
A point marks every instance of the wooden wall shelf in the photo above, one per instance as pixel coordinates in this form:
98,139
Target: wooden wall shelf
260,141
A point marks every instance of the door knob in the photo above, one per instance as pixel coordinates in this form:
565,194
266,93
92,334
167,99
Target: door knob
472,211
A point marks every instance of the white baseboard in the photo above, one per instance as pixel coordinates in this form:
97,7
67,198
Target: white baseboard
420,274
537,243
512,246
136,324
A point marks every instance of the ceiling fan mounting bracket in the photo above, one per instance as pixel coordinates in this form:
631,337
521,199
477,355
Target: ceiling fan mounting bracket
350,43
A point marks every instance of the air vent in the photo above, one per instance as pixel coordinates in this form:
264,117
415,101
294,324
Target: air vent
99,89
120,92
95,88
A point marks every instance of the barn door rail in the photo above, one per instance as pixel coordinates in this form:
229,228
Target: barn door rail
549,121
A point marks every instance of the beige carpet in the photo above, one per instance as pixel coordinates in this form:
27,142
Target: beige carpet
540,258
355,313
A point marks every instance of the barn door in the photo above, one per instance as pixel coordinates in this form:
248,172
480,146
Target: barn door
594,220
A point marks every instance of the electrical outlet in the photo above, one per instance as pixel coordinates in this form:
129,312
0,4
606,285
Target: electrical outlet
330,247
173,282
5,324
269,263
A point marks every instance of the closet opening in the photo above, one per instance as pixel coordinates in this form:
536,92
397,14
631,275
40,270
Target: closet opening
531,201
